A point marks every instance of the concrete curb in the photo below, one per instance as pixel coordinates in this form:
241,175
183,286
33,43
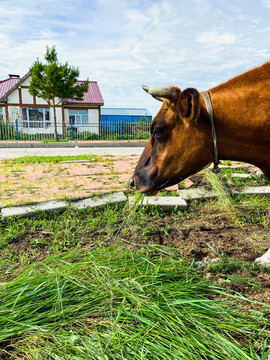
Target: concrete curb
60,206
89,144
196,194
30,210
201,193
165,202
246,176
259,190
100,201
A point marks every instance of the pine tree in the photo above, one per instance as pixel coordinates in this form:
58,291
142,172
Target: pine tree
55,82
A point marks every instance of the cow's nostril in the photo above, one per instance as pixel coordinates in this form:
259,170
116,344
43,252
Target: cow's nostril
132,183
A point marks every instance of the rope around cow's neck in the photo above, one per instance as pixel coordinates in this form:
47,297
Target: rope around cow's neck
209,109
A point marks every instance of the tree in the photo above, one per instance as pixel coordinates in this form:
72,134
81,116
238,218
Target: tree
55,82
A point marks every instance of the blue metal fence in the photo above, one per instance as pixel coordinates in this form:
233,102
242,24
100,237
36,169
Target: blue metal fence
109,130
112,121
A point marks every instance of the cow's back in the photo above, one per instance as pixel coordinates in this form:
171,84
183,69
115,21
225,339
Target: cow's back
245,100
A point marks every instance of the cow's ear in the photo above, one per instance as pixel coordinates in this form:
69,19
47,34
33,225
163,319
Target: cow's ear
190,105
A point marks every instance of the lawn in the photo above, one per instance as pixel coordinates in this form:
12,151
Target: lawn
141,283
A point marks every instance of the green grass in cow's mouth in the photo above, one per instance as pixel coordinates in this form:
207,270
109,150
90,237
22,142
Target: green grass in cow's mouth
133,204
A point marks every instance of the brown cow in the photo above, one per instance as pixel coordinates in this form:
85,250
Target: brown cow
181,141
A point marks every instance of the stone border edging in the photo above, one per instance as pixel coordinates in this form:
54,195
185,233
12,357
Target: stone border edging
60,206
165,202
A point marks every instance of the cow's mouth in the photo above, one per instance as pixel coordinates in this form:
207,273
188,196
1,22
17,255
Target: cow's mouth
150,189
160,187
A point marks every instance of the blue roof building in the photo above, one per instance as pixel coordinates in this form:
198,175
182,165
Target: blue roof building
111,117
125,112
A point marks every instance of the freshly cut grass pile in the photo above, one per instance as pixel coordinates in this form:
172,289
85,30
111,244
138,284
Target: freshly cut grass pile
108,305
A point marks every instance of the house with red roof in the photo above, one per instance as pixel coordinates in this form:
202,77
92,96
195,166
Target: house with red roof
35,115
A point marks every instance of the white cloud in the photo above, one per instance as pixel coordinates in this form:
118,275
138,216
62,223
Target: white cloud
216,38
125,43
266,3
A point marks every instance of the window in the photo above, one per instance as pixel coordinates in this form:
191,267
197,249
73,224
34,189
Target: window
78,117
36,117
1,114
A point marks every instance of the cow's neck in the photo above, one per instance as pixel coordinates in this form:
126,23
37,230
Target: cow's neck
240,137
209,109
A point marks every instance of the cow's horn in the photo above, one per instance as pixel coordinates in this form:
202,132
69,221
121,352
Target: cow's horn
161,92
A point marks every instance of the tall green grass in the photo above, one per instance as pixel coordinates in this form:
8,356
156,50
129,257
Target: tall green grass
224,203
107,305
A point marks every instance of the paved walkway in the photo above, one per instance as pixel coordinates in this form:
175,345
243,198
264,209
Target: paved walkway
9,153
37,182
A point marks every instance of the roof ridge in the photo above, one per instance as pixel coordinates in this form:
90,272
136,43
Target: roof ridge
17,83
9,79
91,81
92,96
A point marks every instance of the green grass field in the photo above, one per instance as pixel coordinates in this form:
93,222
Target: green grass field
110,305
114,283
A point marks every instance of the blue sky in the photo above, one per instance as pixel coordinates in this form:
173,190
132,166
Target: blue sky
125,43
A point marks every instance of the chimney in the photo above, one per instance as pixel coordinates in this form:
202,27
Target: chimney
12,76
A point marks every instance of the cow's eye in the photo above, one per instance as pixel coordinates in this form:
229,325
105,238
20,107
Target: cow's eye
158,131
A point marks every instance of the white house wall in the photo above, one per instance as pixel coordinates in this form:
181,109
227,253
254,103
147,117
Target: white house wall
27,81
13,98
4,114
14,113
93,120
26,97
40,101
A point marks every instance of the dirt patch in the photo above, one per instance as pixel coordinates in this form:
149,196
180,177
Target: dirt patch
216,239
209,239
202,237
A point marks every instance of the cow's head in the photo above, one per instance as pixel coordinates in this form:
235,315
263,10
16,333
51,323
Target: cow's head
180,143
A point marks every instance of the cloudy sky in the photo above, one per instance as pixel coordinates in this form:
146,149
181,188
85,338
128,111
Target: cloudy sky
125,43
